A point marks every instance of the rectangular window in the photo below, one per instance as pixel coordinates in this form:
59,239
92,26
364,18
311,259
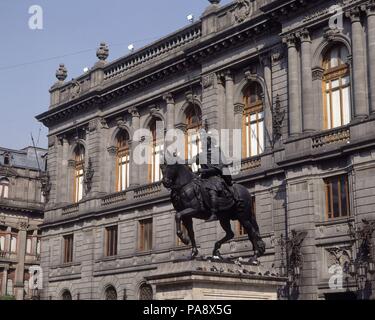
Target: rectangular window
337,197
240,229
155,173
123,166
68,248
145,235
111,241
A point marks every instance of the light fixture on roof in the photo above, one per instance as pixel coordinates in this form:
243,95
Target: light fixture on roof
85,69
190,18
131,47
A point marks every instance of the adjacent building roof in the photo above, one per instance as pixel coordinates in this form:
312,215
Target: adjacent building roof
28,158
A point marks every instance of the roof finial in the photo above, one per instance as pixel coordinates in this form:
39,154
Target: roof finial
61,73
103,52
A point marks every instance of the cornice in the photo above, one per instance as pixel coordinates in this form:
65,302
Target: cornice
192,56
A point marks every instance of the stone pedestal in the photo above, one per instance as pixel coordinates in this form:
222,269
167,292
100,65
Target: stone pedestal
205,280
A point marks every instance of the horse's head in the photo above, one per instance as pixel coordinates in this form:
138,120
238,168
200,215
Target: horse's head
169,172
176,171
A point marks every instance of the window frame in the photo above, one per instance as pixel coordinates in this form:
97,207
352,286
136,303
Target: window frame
123,151
253,108
79,171
4,184
111,241
155,152
68,248
143,246
330,74
329,202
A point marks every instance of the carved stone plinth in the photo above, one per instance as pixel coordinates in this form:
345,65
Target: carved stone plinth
205,280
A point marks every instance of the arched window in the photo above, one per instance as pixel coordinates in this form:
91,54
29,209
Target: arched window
110,293
157,144
145,292
122,161
4,188
336,87
66,295
253,121
79,157
193,143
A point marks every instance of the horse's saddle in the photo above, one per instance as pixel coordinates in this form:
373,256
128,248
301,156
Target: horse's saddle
225,197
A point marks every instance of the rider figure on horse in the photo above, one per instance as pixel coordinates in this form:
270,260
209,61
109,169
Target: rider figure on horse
214,181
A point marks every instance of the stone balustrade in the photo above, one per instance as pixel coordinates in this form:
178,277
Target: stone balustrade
250,163
334,136
160,48
147,190
114,198
73,208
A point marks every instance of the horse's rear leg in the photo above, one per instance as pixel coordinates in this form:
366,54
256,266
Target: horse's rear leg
254,237
225,224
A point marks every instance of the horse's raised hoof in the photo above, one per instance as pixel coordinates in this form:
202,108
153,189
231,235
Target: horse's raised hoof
261,247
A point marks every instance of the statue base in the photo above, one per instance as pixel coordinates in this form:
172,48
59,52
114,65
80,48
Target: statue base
215,280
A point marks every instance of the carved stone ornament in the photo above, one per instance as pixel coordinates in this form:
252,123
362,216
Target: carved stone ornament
120,123
331,34
338,256
242,10
168,98
317,73
208,80
75,90
23,225
103,52
278,116
61,73
134,112
88,175
46,185
93,125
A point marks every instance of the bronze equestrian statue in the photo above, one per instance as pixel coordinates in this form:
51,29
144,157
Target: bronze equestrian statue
208,197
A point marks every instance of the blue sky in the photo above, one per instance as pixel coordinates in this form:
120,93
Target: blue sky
71,33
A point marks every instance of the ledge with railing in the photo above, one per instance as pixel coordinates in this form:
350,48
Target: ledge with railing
330,137
70,209
160,48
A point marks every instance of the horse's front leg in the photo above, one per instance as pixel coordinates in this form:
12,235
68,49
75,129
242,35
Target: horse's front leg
179,216
188,223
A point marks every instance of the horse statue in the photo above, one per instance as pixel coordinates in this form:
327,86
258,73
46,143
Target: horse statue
189,203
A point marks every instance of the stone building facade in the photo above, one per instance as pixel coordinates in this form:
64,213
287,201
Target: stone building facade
21,213
297,77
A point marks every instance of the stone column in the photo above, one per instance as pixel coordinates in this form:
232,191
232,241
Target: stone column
293,86
168,98
359,73
266,61
307,88
221,101
134,173
65,179
4,282
370,10
20,269
111,166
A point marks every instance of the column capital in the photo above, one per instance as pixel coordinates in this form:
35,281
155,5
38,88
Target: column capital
304,35
134,112
265,58
112,150
228,75
168,98
317,73
239,108
290,40
354,14
370,8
